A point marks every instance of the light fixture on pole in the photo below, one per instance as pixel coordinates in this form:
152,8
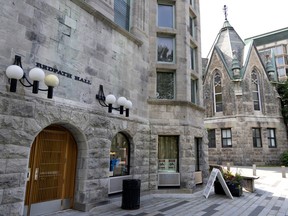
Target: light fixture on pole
15,72
108,101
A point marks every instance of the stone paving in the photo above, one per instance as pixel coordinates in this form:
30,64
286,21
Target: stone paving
270,198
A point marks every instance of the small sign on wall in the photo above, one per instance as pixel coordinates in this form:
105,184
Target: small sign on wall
216,173
161,164
167,165
172,164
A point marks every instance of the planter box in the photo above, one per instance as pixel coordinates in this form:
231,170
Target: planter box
235,190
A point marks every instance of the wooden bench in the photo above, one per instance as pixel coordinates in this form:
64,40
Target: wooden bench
248,183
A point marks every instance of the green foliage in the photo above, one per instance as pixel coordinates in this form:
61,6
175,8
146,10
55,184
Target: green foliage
232,178
282,89
284,158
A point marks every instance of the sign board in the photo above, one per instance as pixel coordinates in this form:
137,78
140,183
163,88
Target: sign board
216,173
167,164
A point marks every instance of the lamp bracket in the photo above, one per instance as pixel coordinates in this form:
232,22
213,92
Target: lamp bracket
101,99
35,84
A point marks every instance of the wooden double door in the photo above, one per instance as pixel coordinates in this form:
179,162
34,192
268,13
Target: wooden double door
52,167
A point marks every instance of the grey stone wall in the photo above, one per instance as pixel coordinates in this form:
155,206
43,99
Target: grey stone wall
86,48
187,123
239,115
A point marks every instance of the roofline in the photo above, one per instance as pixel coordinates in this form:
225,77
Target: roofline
267,33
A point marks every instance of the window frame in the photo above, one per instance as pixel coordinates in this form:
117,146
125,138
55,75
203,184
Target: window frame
192,3
174,85
198,153
167,160
270,138
212,139
128,152
225,140
217,74
192,26
280,49
194,91
280,61
256,138
193,58
256,82
281,71
173,15
120,16
172,37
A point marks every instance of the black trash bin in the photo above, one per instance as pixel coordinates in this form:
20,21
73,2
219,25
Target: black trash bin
131,194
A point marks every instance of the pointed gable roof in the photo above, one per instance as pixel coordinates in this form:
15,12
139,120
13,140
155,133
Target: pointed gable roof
234,53
230,48
229,42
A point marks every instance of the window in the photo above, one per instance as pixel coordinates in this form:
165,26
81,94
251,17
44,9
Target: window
168,153
192,2
226,137
165,49
192,24
211,138
165,85
280,60
279,50
122,13
119,156
271,138
193,58
166,16
257,143
194,90
217,93
198,151
255,90
281,71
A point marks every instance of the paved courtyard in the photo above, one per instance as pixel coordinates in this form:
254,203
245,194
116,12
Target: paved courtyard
270,198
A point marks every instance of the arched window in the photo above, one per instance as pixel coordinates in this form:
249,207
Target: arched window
119,155
217,93
255,90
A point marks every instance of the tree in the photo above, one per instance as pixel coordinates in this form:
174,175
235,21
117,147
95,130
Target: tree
282,89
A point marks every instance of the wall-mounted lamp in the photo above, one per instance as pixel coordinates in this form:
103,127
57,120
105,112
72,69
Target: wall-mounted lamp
109,100
15,72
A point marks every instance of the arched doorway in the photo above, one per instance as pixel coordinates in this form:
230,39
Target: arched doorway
52,168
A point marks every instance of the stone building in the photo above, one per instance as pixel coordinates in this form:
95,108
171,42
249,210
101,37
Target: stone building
274,44
70,150
243,115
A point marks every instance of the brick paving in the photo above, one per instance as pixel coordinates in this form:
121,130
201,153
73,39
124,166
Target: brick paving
270,198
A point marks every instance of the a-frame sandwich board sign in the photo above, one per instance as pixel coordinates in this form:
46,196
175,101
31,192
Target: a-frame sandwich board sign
216,173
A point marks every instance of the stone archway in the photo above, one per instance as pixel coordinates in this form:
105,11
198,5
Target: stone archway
52,171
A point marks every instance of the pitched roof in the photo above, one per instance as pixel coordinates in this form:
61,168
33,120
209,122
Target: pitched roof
235,54
229,42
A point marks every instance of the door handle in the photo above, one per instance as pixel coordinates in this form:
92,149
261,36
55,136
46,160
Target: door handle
28,174
36,174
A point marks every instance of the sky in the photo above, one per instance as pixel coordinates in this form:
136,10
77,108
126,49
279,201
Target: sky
248,18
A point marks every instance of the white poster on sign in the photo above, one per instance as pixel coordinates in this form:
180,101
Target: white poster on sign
216,173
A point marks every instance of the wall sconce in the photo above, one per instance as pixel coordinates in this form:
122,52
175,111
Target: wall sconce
15,72
110,99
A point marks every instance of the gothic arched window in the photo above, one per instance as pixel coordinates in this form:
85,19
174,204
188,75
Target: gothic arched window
255,90
217,93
